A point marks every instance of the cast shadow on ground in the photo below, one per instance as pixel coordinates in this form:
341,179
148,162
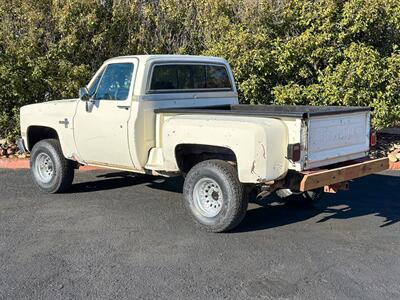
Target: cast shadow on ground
377,195
115,180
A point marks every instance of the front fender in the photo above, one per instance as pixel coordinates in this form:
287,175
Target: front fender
57,115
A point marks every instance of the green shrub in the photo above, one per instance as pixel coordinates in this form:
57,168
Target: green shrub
324,52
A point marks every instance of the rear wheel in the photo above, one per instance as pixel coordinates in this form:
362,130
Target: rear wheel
308,197
214,196
50,170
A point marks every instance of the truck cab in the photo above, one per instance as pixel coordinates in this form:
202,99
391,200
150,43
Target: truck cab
119,113
175,115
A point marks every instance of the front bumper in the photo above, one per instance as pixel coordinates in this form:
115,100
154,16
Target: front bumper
21,145
320,178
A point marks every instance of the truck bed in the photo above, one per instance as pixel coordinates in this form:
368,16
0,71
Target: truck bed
327,134
295,111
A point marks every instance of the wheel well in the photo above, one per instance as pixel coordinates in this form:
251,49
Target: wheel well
38,133
188,155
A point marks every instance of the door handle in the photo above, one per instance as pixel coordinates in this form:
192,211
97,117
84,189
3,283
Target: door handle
124,106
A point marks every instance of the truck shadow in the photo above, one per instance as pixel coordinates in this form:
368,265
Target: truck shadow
377,195
115,180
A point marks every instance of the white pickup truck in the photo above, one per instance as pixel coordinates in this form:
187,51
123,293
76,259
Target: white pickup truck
175,115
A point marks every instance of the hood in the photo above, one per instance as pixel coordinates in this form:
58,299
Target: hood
65,107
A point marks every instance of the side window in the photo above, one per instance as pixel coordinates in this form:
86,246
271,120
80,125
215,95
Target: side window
115,83
183,77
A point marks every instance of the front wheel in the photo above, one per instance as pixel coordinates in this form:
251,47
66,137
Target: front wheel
50,170
214,196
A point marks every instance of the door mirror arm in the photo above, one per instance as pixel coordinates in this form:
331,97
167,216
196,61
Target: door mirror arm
84,94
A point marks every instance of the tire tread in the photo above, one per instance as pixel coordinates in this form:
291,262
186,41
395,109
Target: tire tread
238,206
66,171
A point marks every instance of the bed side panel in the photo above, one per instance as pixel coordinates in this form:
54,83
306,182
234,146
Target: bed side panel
260,144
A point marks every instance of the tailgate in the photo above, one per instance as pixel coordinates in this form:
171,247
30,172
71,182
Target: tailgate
337,137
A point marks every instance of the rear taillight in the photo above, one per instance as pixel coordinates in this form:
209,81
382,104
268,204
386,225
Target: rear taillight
294,152
372,139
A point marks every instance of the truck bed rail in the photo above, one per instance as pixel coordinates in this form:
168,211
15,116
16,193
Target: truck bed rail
295,111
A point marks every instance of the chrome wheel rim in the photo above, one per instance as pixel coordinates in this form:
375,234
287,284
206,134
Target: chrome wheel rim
44,167
208,198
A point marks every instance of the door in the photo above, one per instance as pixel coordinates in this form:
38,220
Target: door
100,125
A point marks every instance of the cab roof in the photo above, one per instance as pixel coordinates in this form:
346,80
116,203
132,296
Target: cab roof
170,57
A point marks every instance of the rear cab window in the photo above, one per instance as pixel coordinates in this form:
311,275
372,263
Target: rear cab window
189,77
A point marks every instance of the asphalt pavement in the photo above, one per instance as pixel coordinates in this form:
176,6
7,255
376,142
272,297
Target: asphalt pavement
120,236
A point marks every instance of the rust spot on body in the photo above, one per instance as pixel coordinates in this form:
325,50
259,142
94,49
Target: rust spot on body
253,167
264,153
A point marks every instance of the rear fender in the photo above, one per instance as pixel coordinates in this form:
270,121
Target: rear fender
259,144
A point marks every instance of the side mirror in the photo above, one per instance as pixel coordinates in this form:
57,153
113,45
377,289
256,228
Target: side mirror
84,94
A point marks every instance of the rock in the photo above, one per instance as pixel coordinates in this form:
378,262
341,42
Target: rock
10,151
394,156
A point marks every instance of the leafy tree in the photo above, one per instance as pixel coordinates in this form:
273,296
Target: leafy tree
323,52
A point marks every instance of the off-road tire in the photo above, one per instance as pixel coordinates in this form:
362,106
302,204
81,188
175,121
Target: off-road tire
234,199
63,169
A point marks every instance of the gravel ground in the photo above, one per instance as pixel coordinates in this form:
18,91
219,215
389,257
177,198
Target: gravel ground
120,236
